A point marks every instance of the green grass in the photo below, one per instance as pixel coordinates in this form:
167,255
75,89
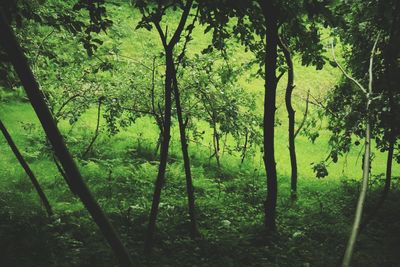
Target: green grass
137,42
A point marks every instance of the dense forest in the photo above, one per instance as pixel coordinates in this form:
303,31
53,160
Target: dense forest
199,133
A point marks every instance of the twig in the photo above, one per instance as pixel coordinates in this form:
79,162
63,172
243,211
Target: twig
345,73
304,117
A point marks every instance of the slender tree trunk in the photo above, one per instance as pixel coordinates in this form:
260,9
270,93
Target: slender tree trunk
169,61
361,199
186,160
246,141
386,188
164,151
366,165
389,164
291,116
224,147
96,133
158,144
27,169
21,66
216,145
390,71
269,113
157,117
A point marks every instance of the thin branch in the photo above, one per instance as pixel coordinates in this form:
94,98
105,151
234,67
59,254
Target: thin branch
63,105
319,104
42,43
96,132
304,117
161,33
280,76
152,92
175,38
371,64
139,111
345,73
187,40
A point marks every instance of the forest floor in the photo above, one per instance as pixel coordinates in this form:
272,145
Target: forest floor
311,231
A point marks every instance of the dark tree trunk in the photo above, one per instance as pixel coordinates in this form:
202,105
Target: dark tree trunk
389,164
186,160
169,61
27,169
21,66
269,113
164,151
291,116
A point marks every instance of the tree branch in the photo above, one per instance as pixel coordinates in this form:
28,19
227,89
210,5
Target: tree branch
175,38
345,73
304,117
371,64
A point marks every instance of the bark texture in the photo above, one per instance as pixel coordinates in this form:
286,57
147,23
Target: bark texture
271,55
291,118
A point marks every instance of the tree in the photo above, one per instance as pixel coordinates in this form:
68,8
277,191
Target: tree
389,125
345,102
259,17
221,102
299,34
27,169
271,81
182,132
20,64
348,104
154,18
259,25
367,154
291,116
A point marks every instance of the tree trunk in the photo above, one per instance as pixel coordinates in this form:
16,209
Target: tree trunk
21,66
27,169
186,160
216,145
244,151
386,189
62,173
158,144
169,72
269,113
164,151
390,73
361,199
291,116
366,166
96,133
389,164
